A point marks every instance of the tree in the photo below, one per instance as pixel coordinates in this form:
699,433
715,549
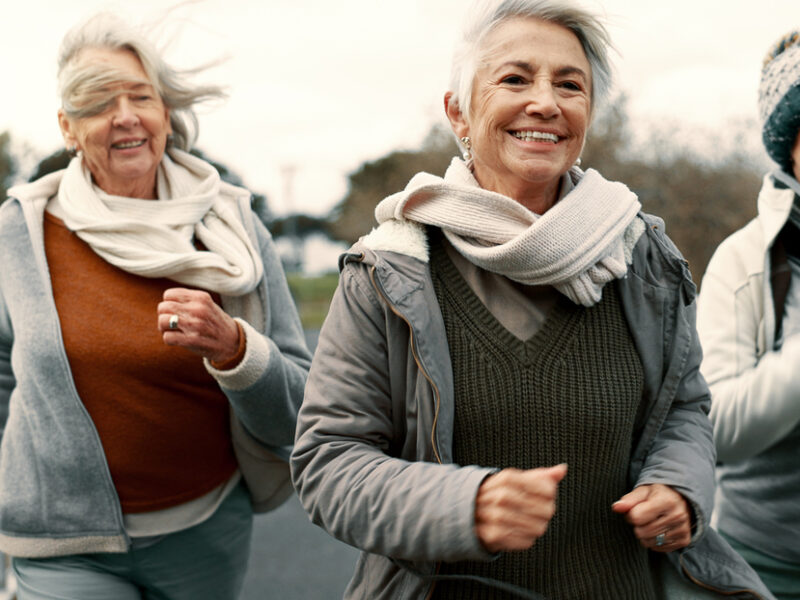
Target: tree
354,216
702,201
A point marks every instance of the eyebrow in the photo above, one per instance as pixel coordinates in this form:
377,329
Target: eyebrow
561,72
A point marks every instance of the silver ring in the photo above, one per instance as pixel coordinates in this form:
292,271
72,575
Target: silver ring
661,539
173,322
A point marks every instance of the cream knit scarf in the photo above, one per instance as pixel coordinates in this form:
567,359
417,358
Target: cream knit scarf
155,238
580,244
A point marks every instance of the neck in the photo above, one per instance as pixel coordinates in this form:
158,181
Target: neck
536,197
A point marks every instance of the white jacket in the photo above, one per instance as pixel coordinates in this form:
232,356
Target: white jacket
755,389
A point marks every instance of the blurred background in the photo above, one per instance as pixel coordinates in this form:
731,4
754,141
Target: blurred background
334,105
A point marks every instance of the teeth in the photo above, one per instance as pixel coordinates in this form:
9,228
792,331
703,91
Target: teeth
536,135
123,145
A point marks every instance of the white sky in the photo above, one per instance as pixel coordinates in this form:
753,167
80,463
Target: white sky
321,86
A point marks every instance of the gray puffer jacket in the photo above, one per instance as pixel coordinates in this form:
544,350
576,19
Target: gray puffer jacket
373,463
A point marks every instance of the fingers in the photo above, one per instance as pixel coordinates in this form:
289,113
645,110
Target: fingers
514,507
660,516
631,499
191,319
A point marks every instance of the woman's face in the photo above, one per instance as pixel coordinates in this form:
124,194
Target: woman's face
122,145
531,105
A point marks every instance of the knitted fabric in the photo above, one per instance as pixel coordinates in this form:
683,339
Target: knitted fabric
779,99
156,238
580,244
166,438
568,395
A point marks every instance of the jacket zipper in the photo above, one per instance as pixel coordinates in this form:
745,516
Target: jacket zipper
416,360
435,389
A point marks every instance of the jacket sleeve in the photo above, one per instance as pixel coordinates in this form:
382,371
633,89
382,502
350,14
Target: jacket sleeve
341,467
683,455
755,393
266,387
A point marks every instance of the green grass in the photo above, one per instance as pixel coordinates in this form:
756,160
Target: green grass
313,296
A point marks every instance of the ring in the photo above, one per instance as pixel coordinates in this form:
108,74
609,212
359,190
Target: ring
661,539
173,322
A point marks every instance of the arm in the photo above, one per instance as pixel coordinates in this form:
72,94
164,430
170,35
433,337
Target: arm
341,468
266,387
755,397
682,456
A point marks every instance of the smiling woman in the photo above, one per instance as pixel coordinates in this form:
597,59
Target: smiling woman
493,409
151,357
124,126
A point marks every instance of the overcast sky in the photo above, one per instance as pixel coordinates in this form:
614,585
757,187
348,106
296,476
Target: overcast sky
321,86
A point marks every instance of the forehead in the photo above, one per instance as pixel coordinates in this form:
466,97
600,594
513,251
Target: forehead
120,61
534,41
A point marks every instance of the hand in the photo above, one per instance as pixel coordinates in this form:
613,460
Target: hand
514,507
658,514
203,327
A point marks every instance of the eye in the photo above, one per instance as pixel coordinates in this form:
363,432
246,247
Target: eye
572,86
513,80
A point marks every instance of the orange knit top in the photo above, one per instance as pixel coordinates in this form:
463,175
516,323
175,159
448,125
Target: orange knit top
162,419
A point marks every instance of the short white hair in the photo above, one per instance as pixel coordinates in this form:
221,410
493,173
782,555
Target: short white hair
485,15
83,85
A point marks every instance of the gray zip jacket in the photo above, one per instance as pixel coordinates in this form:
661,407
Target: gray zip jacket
372,461
56,492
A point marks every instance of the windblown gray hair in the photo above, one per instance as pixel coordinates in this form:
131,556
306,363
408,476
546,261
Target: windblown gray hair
83,86
485,15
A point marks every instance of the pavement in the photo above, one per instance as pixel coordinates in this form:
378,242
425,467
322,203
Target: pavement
292,559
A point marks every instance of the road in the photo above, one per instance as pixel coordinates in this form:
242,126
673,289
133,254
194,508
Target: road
295,560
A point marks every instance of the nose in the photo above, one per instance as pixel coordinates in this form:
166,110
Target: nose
542,100
124,113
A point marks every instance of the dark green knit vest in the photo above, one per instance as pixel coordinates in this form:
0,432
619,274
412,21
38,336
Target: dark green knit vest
568,395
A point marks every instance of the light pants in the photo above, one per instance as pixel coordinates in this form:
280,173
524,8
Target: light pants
207,561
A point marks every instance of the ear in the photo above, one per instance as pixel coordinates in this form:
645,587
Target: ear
66,130
457,121
167,116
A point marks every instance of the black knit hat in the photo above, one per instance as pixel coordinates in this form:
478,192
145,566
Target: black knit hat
779,99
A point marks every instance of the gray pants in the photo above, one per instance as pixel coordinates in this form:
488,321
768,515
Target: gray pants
208,560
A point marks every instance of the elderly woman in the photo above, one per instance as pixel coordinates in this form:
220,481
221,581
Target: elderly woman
749,322
505,400
150,352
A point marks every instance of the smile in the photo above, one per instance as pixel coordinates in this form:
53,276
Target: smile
126,145
535,136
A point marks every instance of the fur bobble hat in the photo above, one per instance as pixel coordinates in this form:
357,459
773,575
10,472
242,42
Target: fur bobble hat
779,99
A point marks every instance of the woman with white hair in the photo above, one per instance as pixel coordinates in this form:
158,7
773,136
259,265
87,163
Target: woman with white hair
505,400
150,350
749,322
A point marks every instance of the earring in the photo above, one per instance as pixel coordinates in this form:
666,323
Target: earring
467,143
72,151
578,162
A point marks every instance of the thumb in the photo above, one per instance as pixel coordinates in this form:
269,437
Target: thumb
631,499
556,473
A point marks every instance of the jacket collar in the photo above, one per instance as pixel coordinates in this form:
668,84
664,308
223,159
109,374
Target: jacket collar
775,203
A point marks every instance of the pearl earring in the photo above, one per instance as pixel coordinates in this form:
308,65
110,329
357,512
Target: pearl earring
467,143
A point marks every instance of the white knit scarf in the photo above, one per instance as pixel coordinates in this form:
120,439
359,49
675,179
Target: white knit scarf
155,238
580,244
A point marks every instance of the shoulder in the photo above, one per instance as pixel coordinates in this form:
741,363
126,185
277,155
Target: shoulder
740,256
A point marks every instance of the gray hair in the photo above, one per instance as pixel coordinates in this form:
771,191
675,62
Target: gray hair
83,87
485,15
